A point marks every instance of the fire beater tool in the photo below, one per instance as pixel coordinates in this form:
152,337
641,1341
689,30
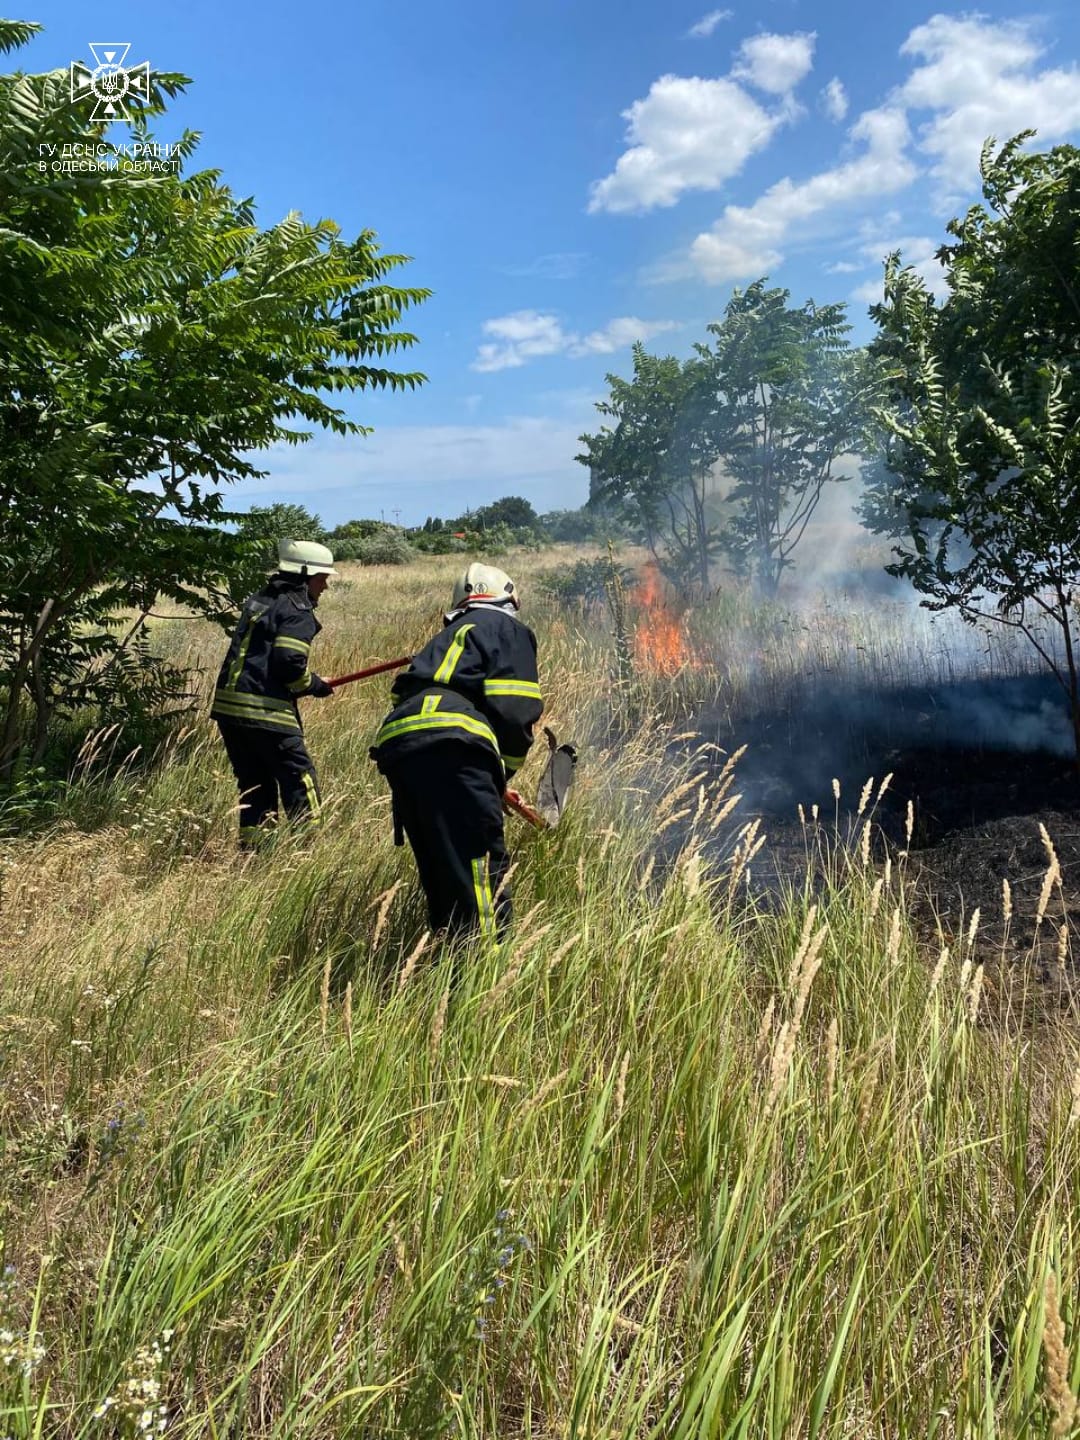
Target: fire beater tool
371,670
556,780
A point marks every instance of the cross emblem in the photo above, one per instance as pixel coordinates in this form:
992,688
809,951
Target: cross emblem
111,83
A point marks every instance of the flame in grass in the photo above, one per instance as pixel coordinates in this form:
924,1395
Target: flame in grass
661,645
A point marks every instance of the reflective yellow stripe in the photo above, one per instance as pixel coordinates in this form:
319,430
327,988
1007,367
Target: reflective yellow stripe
445,721
227,708
513,762
253,618
279,722
241,654
295,687
453,655
259,702
286,642
314,802
431,704
525,689
485,905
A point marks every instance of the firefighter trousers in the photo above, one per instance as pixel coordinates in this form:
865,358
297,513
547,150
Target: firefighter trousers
448,800
268,766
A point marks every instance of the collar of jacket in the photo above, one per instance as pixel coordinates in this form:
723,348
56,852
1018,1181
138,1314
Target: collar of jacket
295,586
504,607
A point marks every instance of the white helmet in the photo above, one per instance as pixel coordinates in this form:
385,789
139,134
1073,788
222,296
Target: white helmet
484,582
304,557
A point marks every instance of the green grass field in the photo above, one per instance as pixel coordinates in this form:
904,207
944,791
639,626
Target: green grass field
665,1166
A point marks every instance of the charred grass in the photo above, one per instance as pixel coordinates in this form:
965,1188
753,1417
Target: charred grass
690,1157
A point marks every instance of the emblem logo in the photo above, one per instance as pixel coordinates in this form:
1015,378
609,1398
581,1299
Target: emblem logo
111,83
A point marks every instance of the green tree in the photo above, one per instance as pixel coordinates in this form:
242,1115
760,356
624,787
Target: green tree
386,547
512,511
655,461
981,486
789,398
358,529
152,340
730,450
260,529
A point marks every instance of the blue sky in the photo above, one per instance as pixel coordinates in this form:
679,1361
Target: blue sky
571,176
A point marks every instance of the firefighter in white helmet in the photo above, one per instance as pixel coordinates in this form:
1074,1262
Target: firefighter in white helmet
265,672
461,726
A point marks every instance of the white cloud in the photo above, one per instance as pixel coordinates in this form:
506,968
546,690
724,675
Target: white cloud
745,241
524,335
980,78
918,251
417,467
969,78
687,134
834,100
775,63
620,334
843,267
527,335
708,23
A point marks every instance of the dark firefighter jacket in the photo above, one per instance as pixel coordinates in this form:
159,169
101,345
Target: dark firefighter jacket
475,681
266,668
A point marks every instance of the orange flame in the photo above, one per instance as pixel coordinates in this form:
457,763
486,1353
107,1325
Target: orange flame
661,645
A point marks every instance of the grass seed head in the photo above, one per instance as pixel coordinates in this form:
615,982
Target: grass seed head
783,1049
892,952
975,994
384,901
413,956
804,944
1059,1395
440,1022
973,928
761,1044
324,997
1050,879
864,797
550,1085
620,1086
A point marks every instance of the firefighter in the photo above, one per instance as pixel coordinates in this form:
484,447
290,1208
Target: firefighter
264,674
462,725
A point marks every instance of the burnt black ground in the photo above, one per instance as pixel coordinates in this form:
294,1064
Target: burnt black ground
971,756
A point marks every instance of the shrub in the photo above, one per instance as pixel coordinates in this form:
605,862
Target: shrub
389,547
584,580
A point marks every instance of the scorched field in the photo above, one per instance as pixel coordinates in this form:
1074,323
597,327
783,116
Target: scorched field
765,1122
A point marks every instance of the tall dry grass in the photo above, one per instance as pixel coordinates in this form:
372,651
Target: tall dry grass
665,1166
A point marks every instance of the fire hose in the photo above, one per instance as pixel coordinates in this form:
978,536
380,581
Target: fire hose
511,799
